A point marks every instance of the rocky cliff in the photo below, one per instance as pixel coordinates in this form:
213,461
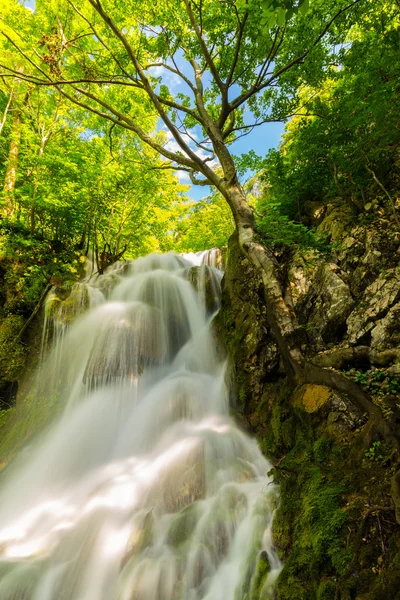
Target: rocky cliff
336,525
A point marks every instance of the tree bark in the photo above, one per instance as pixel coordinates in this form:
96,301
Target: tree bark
43,141
10,179
281,316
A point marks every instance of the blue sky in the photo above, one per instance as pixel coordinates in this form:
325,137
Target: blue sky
260,140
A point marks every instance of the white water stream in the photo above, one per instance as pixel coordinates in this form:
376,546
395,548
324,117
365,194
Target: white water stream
143,488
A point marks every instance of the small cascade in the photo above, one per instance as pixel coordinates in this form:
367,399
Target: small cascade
143,488
211,258
206,281
62,307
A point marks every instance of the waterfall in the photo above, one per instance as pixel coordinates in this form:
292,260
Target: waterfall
143,488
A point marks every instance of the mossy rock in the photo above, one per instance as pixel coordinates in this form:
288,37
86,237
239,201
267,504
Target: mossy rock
311,397
12,352
336,223
182,526
326,590
263,568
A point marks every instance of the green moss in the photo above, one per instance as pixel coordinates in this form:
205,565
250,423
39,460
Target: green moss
4,416
258,581
326,591
24,422
326,484
310,521
182,526
12,352
321,448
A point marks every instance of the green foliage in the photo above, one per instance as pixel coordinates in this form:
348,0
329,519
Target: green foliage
310,520
382,385
372,452
326,591
28,264
337,145
204,224
276,228
12,352
4,416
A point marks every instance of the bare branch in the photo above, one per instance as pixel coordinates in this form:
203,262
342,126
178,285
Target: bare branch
271,55
102,42
175,70
204,48
60,82
197,181
25,56
239,37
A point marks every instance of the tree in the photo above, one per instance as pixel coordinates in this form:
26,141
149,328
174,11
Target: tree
234,58
345,147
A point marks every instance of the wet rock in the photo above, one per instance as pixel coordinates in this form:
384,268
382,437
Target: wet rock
142,538
65,302
185,482
182,526
242,329
207,282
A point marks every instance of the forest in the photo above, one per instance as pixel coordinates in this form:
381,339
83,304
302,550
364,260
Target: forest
146,129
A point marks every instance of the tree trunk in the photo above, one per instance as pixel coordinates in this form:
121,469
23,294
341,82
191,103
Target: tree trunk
282,318
3,120
43,142
10,179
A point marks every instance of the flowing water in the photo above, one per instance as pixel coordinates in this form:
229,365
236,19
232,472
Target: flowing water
143,488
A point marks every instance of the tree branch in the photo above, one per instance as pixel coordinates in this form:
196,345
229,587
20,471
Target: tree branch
176,71
204,48
197,181
117,62
193,158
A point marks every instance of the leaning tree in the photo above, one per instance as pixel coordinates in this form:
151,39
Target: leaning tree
212,71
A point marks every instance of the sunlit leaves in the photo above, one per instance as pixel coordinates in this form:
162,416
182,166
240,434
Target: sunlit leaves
331,152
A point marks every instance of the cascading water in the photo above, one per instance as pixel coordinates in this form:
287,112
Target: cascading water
144,488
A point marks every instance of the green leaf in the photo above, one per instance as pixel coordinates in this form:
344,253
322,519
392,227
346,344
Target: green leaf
289,14
304,7
281,17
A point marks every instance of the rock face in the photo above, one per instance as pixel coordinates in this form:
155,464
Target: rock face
332,468
327,303
352,298
376,318
242,331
